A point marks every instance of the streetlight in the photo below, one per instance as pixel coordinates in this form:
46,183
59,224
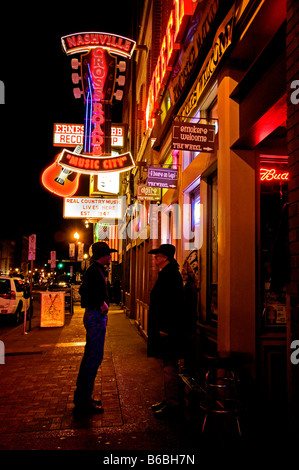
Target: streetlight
76,235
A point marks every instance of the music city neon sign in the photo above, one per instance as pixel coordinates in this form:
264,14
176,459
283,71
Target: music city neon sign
178,19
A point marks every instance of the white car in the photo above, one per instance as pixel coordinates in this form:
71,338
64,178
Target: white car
12,299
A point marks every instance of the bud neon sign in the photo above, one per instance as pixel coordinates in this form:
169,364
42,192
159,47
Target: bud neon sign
271,174
178,19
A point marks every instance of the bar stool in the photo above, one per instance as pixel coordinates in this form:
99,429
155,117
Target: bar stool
221,388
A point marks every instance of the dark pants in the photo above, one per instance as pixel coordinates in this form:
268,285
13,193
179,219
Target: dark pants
95,324
171,381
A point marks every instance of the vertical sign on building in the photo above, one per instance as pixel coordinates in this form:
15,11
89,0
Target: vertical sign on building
72,248
2,93
53,259
32,247
2,353
80,251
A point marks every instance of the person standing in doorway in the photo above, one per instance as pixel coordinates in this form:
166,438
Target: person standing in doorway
165,326
95,300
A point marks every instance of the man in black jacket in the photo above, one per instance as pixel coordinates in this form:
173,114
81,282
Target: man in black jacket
165,326
95,300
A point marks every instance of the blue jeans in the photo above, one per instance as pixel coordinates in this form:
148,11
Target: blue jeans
95,324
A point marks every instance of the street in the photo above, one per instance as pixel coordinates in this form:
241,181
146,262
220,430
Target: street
38,379
37,383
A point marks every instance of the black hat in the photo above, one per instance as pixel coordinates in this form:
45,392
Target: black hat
100,249
165,249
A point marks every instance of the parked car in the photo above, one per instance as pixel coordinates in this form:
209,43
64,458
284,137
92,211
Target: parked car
13,298
59,286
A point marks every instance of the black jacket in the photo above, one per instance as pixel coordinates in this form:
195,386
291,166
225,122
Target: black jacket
166,314
93,289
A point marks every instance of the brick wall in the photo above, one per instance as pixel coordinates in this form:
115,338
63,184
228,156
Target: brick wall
293,150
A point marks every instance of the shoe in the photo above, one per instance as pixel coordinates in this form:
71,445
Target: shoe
88,408
167,412
96,402
158,406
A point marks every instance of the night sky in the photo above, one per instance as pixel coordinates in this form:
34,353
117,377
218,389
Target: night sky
39,92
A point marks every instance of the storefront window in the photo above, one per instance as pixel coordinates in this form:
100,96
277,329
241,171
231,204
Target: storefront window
273,240
195,210
212,255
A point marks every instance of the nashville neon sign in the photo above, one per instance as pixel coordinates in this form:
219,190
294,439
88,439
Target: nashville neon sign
83,42
271,174
98,77
178,19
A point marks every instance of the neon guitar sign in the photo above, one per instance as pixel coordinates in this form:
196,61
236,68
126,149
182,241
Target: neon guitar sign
98,76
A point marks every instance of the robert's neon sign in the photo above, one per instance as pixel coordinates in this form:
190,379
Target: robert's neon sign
178,19
99,73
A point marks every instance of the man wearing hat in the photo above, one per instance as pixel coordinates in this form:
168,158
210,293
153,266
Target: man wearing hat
165,326
95,300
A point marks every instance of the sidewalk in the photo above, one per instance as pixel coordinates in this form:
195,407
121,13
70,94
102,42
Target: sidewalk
38,379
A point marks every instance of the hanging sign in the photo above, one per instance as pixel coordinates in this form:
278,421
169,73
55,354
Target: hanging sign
93,208
162,178
99,69
32,247
71,135
147,193
68,135
80,256
193,137
104,183
53,259
95,164
83,42
72,248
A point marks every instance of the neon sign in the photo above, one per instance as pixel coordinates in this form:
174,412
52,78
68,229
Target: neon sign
178,19
70,135
92,164
271,174
99,74
84,42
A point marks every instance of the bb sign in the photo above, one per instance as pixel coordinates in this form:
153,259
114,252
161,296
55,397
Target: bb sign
193,137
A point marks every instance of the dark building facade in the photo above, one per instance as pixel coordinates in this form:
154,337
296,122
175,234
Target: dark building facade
233,66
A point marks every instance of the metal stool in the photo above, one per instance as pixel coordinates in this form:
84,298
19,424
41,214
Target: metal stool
221,388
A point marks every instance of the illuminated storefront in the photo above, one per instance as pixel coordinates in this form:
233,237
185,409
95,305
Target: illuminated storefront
219,73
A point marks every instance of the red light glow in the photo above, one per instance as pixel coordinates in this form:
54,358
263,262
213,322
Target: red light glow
272,174
182,10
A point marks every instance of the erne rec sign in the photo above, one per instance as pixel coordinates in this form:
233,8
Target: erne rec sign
71,135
